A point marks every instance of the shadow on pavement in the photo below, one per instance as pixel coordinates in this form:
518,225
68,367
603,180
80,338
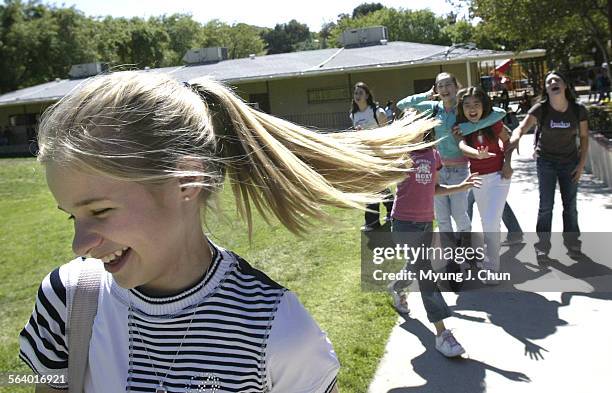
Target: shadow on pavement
458,375
594,274
526,316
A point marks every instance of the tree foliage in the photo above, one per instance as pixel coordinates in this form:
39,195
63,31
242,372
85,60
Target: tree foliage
39,42
366,8
565,28
286,37
402,25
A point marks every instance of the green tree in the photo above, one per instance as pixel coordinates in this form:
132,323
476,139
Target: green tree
184,34
460,31
564,28
215,33
285,37
243,40
402,25
325,33
366,8
39,43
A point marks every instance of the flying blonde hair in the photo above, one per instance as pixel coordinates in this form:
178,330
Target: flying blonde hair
138,126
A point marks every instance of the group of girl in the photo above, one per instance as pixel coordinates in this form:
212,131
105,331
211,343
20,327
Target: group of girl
473,154
471,137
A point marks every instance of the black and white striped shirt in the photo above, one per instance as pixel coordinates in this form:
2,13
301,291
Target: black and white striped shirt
240,332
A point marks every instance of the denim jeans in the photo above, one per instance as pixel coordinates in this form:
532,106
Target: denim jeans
372,217
453,205
549,173
508,217
407,232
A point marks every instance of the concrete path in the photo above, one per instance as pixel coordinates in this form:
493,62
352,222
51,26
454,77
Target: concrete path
523,340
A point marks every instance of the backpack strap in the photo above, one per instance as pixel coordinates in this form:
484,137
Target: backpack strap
81,313
375,109
435,110
434,113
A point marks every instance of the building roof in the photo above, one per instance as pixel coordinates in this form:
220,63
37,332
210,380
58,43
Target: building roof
295,65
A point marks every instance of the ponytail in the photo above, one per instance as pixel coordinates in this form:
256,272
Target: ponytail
291,171
138,126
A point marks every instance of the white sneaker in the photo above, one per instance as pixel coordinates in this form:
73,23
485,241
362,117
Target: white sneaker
400,299
447,344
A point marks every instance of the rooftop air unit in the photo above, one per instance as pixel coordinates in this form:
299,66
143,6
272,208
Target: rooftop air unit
205,55
374,35
78,71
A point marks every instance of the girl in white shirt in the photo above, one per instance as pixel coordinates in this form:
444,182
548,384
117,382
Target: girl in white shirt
365,115
132,158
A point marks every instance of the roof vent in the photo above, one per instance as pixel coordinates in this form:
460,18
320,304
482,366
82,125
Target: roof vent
205,55
374,35
78,71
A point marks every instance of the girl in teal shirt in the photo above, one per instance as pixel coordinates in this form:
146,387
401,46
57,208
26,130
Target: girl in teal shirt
455,164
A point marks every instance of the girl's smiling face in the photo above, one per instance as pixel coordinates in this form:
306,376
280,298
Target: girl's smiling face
446,88
137,231
472,108
555,85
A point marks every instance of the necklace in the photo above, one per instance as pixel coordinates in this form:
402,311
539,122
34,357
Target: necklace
161,381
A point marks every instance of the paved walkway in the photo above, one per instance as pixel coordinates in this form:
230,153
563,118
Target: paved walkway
519,341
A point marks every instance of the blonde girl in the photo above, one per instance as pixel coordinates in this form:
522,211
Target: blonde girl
132,158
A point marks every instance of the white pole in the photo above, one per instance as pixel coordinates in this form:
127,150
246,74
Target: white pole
469,73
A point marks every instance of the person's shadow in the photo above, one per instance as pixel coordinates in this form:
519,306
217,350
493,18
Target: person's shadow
594,269
521,271
598,276
523,315
459,375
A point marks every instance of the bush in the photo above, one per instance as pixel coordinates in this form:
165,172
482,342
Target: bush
600,119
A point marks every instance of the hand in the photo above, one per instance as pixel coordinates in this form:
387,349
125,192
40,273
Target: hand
514,376
534,351
577,173
506,172
456,131
513,143
483,153
431,93
473,180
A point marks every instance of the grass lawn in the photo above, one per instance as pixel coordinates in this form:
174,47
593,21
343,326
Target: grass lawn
323,268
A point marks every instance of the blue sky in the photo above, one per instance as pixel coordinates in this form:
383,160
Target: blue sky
256,12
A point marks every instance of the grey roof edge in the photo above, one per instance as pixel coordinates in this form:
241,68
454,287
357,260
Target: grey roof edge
30,102
531,53
312,72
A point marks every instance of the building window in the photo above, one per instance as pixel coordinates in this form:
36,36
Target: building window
330,94
423,85
260,102
23,119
